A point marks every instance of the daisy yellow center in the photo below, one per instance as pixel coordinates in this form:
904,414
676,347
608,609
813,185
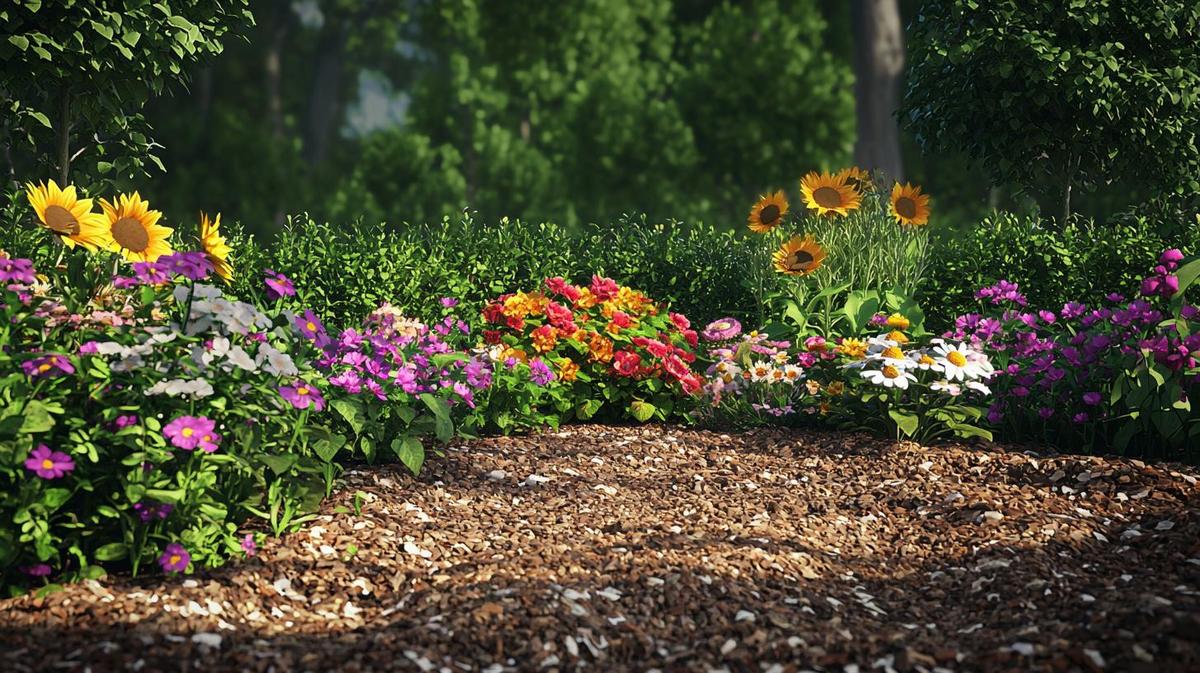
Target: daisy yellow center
926,360
175,559
956,358
827,197
188,432
891,372
129,233
47,464
893,352
769,214
61,220
906,207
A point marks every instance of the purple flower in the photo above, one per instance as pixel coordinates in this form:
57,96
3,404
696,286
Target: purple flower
1072,310
464,392
310,326
49,464
124,421
478,373
189,432
16,271
47,366
1046,413
1002,291
349,381
278,285
175,558
147,512
37,570
722,330
89,348
1080,417
1091,398
302,396
1171,258
995,414
190,265
1115,297
540,373
449,302
248,545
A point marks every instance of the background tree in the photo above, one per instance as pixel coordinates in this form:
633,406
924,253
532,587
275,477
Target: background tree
1057,95
878,69
81,70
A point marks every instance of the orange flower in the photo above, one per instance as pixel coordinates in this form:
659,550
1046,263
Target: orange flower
567,369
600,348
514,353
586,299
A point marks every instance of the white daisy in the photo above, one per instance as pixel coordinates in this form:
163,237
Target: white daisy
952,389
889,377
956,363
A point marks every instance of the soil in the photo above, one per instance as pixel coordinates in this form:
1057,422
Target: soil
634,549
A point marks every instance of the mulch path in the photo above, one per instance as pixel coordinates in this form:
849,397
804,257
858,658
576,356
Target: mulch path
612,549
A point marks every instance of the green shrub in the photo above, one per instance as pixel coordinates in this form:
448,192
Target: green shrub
1082,262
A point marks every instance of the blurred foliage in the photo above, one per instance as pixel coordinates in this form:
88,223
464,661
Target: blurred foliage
1050,95
1083,261
78,72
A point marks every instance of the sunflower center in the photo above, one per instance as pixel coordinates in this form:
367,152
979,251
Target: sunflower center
956,358
906,207
130,234
769,214
800,260
60,220
827,197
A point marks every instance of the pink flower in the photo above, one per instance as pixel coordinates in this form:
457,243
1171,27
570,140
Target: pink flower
278,286
37,570
561,287
248,545
49,464
625,363
680,321
47,366
302,396
175,558
604,288
189,432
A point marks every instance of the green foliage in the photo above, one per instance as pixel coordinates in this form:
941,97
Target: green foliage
1048,94
347,271
1081,262
83,69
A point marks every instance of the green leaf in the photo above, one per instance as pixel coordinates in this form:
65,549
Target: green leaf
436,404
53,498
19,41
352,412
906,422
113,551
327,448
411,452
587,409
172,496
278,464
641,411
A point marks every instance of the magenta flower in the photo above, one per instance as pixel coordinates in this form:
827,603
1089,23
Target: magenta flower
310,326
1092,398
303,396
49,464
722,330
449,302
175,558
47,366
278,286
190,265
37,570
248,545
16,271
188,432
539,373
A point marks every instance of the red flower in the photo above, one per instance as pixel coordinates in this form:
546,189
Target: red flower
515,322
491,336
656,348
625,363
680,321
691,384
675,366
561,287
621,319
560,316
494,313
604,288
692,338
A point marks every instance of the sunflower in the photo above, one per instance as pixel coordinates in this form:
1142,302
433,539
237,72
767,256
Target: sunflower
798,257
909,205
133,229
69,217
827,193
860,180
768,212
214,245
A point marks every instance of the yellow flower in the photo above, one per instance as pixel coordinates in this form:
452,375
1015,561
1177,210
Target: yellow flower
857,178
586,299
133,230
897,336
798,257
828,194
898,321
567,369
514,353
768,212
835,388
909,205
69,217
852,348
215,247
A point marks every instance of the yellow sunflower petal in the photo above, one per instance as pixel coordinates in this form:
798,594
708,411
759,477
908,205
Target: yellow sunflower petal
827,194
768,212
798,257
909,206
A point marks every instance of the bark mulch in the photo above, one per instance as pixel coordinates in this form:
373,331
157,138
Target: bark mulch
606,548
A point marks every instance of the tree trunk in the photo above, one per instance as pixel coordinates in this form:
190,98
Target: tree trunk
878,66
325,94
273,68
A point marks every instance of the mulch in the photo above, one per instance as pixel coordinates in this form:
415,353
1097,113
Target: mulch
659,548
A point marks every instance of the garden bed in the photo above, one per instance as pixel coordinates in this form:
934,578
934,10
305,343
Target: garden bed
616,548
